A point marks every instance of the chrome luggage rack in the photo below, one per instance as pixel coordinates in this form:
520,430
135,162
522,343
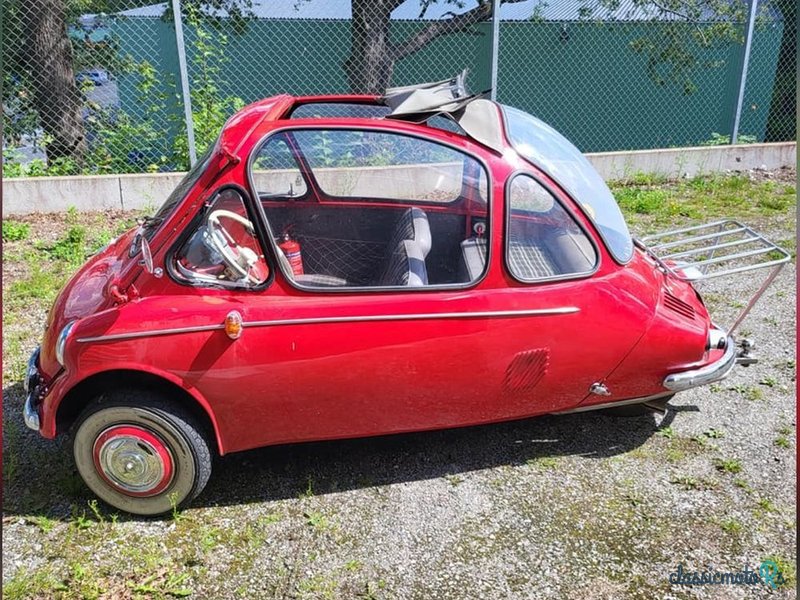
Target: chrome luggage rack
716,250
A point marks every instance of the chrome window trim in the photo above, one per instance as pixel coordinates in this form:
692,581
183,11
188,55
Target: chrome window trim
371,289
568,209
538,312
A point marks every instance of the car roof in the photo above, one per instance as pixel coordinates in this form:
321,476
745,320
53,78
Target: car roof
477,118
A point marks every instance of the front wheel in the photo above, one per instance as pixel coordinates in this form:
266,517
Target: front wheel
141,454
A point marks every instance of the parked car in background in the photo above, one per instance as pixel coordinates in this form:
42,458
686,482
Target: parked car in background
346,266
93,76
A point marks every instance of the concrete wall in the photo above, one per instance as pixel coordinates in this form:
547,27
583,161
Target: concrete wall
141,191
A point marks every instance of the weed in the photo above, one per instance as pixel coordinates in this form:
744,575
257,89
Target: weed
353,565
782,442
785,567
454,480
317,520
543,462
728,465
309,491
46,524
667,432
768,381
173,584
731,526
739,482
14,231
71,248
766,505
23,585
688,482
96,511
714,433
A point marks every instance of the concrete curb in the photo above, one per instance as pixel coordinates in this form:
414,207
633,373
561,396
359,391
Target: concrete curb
143,190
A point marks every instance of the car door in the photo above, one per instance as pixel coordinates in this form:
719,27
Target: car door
552,262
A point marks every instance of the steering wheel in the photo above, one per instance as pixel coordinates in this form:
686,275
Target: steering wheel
239,259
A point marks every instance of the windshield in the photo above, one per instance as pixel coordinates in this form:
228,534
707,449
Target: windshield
555,154
150,224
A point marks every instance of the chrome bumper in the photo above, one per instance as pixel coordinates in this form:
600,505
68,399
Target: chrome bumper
31,385
715,371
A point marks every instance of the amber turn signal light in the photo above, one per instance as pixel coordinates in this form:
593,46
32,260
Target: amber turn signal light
233,325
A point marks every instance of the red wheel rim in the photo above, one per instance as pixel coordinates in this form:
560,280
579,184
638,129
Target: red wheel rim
133,460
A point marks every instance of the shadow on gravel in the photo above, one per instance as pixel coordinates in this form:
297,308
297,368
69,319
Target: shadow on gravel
48,483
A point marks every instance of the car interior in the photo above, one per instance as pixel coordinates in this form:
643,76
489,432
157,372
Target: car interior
377,209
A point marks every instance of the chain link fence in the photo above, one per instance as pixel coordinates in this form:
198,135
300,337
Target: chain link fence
103,92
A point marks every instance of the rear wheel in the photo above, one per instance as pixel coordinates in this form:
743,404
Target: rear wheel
141,454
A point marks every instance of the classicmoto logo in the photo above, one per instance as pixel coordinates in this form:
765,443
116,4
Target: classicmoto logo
767,574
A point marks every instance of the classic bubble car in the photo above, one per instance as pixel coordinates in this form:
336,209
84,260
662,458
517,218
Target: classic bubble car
348,266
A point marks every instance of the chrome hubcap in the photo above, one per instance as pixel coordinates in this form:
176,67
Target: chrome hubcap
134,460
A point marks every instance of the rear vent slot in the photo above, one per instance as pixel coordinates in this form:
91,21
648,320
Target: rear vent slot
526,370
678,306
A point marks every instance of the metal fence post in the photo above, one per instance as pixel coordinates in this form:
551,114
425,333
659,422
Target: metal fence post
751,19
187,99
495,45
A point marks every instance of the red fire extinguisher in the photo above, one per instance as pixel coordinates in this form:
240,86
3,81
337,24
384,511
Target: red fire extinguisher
291,248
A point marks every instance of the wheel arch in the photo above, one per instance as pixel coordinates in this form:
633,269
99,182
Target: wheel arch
76,399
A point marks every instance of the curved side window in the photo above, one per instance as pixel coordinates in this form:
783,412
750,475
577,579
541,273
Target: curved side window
543,241
224,249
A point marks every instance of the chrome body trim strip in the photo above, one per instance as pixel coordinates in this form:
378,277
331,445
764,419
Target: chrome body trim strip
563,310
140,334
581,408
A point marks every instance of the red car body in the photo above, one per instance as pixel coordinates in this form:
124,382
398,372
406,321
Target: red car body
316,365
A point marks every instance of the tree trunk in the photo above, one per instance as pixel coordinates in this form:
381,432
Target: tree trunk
55,95
370,64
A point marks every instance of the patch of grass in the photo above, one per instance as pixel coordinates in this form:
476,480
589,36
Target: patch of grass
766,505
71,247
688,482
786,568
14,231
24,584
317,520
543,462
46,524
42,283
768,381
353,565
667,432
741,483
782,442
454,480
714,434
728,465
162,584
642,201
730,525
750,393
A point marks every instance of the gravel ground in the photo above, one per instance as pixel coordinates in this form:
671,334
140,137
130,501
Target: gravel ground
572,506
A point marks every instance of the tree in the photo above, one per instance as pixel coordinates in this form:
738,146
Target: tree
372,57
55,95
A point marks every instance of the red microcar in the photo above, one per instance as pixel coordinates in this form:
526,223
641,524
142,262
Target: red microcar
347,266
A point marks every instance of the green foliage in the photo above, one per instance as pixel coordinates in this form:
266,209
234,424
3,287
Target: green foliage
71,248
14,231
729,465
719,139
